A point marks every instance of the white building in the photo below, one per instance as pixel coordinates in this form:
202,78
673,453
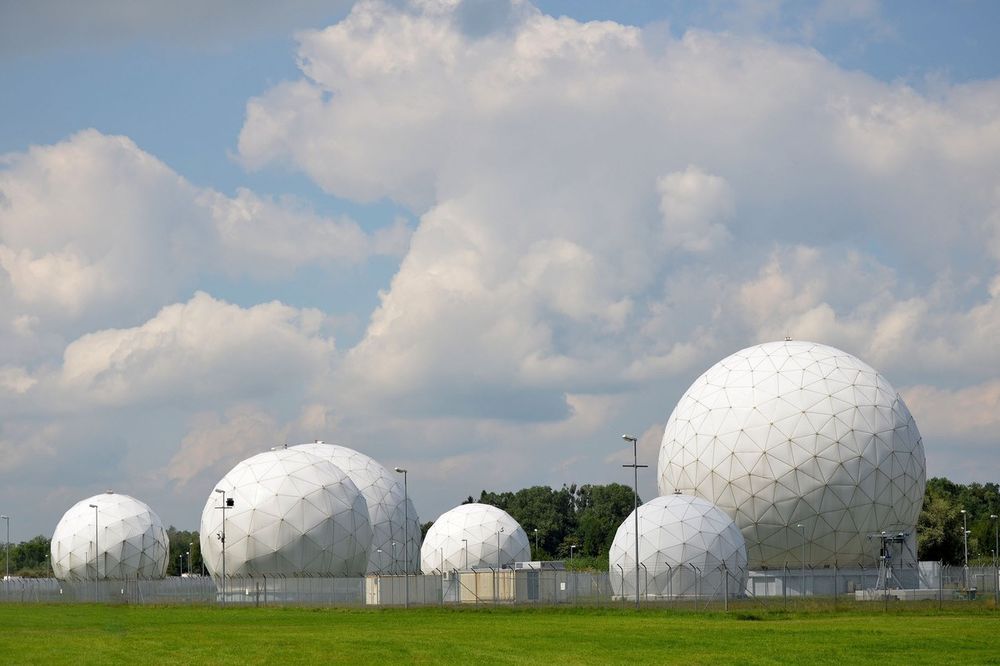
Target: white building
109,536
687,547
806,447
293,514
472,536
395,546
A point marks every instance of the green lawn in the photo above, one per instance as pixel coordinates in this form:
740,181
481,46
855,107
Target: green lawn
198,635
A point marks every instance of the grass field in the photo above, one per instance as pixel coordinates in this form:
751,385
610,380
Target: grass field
39,634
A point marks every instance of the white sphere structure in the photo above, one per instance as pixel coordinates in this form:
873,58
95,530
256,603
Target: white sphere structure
809,449
120,538
394,548
471,536
293,514
687,547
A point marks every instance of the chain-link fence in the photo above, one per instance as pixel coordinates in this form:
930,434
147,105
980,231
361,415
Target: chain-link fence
678,587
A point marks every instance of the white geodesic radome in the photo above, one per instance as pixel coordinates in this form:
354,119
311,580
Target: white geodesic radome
130,540
687,547
294,514
471,536
388,508
799,443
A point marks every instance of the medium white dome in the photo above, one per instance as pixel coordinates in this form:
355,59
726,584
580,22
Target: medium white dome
684,542
387,510
294,514
473,535
797,442
131,541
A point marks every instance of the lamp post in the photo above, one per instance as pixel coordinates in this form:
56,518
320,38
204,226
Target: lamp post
572,547
996,559
635,508
226,504
6,548
97,562
802,582
965,544
465,547
406,535
536,542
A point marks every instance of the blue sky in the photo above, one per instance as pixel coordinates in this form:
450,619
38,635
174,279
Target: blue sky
456,235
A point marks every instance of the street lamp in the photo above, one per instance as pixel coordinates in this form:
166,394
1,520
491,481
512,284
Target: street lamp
465,544
965,543
635,509
6,548
572,547
536,542
802,583
996,559
227,503
406,535
996,536
97,562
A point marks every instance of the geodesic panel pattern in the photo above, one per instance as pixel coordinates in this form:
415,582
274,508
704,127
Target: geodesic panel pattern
294,514
130,540
802,444
388,508
684,542
471,536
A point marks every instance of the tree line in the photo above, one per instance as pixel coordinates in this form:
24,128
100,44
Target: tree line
578,523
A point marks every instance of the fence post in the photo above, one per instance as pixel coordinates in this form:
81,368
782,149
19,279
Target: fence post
725,577
784,585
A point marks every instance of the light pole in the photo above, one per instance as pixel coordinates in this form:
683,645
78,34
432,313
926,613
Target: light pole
190,558
406,535
572,547
996,559
965,543
227,503
465,546
536,542
802,582
97,562
6,548
635,510
996,536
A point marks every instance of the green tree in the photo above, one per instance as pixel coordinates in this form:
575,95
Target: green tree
184,547
586,517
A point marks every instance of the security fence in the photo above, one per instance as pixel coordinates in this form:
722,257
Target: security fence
679,587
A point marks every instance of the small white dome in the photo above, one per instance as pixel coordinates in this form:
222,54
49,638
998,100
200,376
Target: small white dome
681,539
473,535
131,541
294,514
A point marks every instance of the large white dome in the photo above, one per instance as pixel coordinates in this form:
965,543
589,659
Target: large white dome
387,508
798,442
294,514
684,542
469,535
131,541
